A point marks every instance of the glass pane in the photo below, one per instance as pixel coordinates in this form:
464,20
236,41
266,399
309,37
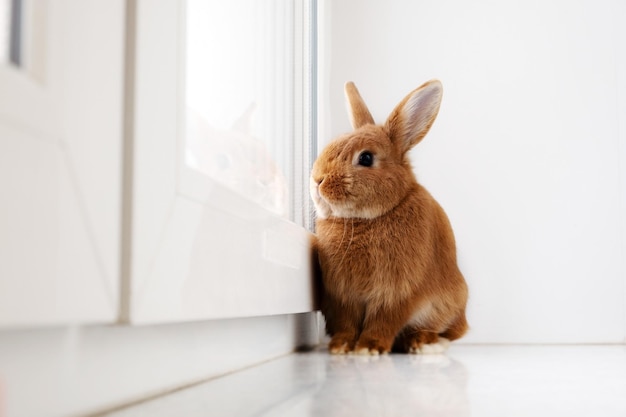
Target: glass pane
11,32
23,36
240,70
15,40
5,27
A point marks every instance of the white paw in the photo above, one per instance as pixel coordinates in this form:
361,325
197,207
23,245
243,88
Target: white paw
433,348
341,350
366,351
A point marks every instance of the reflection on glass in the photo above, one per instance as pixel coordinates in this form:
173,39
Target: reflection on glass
239,96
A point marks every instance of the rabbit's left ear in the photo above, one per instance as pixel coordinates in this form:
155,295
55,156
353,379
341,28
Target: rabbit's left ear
409,122
359,113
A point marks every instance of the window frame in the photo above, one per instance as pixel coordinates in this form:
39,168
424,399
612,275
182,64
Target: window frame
172,228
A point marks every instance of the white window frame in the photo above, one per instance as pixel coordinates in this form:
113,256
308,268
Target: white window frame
178,264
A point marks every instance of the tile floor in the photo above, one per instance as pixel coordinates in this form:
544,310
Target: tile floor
468,380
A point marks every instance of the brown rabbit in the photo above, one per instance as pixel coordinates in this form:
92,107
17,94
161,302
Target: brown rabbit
386,248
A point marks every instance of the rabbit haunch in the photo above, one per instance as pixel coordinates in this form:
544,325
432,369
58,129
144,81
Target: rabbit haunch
385,247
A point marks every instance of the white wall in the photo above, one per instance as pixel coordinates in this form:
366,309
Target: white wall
525,155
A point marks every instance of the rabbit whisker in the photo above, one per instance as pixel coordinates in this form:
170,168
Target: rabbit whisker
349,243
345,221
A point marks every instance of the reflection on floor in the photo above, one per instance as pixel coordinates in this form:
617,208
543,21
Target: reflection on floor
469,380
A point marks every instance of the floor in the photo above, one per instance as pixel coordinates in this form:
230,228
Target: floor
468,380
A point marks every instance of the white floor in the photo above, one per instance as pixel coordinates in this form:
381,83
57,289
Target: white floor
468,380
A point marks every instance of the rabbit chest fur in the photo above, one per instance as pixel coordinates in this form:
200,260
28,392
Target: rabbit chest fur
377,261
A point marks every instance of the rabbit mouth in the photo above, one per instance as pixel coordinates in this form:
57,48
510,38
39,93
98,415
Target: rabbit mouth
324,208
339,202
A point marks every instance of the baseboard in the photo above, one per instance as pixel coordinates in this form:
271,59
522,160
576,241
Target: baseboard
88,370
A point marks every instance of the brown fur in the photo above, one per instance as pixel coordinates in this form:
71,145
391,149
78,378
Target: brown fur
385,246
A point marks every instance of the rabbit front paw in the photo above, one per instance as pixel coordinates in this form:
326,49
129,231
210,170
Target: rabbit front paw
372,346
340,345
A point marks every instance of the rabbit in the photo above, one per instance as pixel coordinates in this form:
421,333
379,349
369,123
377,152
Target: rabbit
385,247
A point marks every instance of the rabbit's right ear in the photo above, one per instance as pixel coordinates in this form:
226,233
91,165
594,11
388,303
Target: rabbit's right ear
359,114
409,122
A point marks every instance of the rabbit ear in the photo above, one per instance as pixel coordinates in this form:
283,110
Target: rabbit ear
243,123
409,122
359,114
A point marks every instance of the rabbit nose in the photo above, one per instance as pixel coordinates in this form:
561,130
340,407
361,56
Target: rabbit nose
319,181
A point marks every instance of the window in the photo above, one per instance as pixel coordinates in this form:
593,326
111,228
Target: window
23,33
10,31
222,144
248,100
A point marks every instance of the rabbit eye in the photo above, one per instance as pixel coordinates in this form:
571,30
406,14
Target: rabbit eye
366,159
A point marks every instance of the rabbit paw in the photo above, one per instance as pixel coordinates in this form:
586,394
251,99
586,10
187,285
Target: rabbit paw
371,347
432,348
339,345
